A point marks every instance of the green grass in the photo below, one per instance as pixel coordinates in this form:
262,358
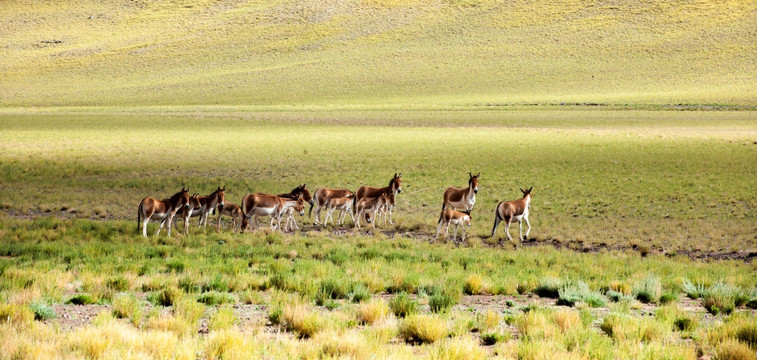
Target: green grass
600,177
376,53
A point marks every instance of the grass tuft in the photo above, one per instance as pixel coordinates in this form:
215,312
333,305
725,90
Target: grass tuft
373,311
648,289
402,305
422,328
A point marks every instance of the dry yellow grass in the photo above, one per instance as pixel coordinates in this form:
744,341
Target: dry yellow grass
376,53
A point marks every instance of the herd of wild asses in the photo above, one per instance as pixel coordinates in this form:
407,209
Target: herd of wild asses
368,203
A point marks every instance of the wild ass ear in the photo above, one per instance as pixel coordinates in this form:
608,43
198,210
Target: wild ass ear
469,174
479,174
224,188
529,189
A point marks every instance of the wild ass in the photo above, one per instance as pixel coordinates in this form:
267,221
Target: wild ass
165,210
365,192
385,209
299,207
207,204
367,208
461,198
256,205
187,211
321,198
343,204
230,209
453,217
510,211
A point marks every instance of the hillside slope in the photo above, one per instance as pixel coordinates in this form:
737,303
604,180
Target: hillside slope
377,52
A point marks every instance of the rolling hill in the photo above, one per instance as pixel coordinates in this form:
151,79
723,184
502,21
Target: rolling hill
377,53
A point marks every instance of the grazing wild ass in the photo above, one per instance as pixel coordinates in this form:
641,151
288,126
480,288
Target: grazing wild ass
510,211
462,198
367,208
367,192
230,209
299,207
164,210
343,204
321,198
257,205
453,217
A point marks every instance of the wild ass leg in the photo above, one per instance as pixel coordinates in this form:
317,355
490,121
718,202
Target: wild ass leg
329,215
446,232
454,237
507,228
162,222
390,215
529,227
144,226
438,230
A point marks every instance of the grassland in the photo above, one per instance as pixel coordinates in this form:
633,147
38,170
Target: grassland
376,53
665,180
615,183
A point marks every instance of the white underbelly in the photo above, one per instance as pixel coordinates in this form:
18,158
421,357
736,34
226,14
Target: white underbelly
263,211
518,218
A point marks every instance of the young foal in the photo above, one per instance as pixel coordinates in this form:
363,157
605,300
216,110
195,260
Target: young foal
510,211
256,205
462,198
368,206
364,192
207,204
452,217
230,209
298,207
343,204
165,210
188,211
321,199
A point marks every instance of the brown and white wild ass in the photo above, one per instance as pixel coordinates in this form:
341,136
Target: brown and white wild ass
385,209
367,207
164,210
462,198
510,211
187,211
299,207
321,198
257,205
230,209
343,204
453,217
366,192
207,204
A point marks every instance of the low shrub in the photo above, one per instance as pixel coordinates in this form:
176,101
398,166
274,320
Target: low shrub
402,305
720,298
422,329
492,338
748,334
648,289
126,306
117,283
548,288
668,298
474,285
42,311
302,320
692,290
165,297
370,312
441,302
731,349
334,288
216,298
360,293
81,299
571,293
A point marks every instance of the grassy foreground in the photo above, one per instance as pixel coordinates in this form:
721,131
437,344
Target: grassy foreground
316,295
663,180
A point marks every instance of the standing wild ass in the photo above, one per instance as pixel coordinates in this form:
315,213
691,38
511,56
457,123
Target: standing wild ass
207,204
510,211
367,208
462,198
230,209
321,199
257,205
164,210
453,217
343,204
367,192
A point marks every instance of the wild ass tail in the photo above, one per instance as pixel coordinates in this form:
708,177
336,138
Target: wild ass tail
139,216
315,200
354,205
